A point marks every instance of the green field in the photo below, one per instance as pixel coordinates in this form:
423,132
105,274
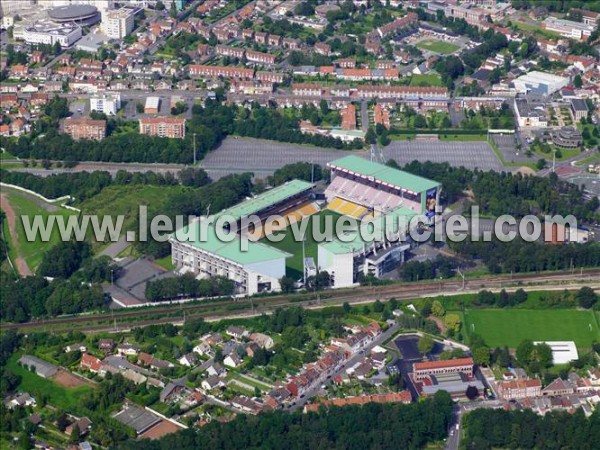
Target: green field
426,80
58,396
33,251
500,327
288,244
437,46
463,137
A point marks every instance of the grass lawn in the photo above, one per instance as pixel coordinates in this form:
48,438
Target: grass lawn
33,251
165,263
437,46
500,327
426,80
288,244
536,29
592,159
565,153
61,397
463,137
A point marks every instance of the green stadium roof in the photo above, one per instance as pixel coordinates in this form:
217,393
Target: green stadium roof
383,173
255,253
266,199
389,221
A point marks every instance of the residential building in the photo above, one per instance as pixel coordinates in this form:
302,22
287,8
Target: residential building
118,23
518,389
579,109
108,104
559,387
169,127
85,128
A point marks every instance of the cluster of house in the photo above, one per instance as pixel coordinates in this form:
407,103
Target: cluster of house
519,391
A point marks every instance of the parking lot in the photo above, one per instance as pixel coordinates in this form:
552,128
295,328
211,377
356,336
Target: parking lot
264,157
468,154
507,145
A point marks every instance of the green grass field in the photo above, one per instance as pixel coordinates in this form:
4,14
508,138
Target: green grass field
437,46
426,80
500,327
58,396
463,137
32,251
288,244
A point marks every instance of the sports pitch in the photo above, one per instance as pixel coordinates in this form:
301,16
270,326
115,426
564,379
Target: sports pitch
436,46
288,244
508,327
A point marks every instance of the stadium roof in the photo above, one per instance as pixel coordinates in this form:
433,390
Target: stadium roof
266,199
208,241
380,224
383,174
72,12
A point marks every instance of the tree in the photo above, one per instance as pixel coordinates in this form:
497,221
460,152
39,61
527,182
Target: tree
541,164
378,306
287,284
425,344
437,309
577,81
346,307
371,136
481,356
472,392
219,355
160,6
586,297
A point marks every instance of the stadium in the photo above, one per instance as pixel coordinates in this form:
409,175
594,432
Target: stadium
381,200
83,15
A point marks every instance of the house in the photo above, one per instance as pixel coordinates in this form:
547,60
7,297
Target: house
246,404
172,388
106,345
22,400
127,349
237,332
211,383
189,360
90,363
251,349
35,419
203,349
84,425
232,360
322,49
76,347
216,369
519,389
558,387
262,340
213,339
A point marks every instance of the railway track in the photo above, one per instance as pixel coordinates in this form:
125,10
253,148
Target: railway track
214,309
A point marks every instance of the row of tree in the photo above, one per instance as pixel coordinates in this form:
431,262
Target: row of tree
186,286
382,426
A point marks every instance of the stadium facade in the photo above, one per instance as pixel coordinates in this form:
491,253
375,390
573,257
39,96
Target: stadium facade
382,200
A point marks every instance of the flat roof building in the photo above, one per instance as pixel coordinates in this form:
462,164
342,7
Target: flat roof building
118,23
49,32
169,127
43,368
530,114
542,83
562,351
568,28
152,105
85,128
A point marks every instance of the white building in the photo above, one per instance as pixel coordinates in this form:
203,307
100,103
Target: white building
568,28
542,83
562,351
48,32
118,23
530,115
107,104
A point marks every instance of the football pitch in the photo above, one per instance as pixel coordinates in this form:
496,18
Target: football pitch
436,46
290,245
508,327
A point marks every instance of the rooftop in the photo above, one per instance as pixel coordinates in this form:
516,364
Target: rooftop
266,199
428,365
387,175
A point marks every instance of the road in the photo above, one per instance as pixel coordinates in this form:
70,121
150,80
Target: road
349,363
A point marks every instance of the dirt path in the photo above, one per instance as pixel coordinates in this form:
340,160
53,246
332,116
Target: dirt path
11,217
440,323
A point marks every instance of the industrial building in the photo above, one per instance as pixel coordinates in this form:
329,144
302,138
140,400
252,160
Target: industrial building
542,83
152,105
568,28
